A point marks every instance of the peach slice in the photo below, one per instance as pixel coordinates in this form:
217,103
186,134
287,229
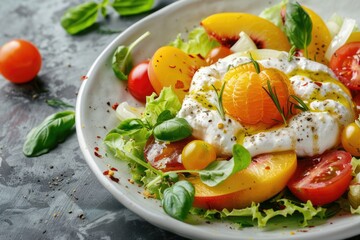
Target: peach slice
266,176
170,66
226,27
320,38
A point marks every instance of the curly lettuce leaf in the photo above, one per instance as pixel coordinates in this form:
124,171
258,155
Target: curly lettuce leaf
155,105
254,215
273,14
198,42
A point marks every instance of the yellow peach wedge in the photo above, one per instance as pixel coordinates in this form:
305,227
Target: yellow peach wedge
320,38
266,176
226,27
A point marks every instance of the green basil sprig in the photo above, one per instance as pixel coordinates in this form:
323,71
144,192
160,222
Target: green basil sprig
298,27
218,171
172,130
46,136
85,15
178,199
122,59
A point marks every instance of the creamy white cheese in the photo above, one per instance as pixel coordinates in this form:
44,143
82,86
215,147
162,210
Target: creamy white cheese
308,133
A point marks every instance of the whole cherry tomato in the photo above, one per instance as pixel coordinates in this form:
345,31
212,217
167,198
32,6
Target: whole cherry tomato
216,53
20,61
138,82
197,155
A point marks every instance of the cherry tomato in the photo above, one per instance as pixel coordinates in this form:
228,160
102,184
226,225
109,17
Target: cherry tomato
350,139
165,156
322,179
20,61
197,155
346,64
216,53
138,82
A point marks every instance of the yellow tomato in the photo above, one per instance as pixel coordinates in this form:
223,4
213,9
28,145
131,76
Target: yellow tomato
350,139
197,155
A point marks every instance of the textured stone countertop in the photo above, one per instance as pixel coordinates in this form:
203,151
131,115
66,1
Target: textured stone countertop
55,196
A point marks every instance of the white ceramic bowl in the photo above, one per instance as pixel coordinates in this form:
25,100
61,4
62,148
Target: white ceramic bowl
94,117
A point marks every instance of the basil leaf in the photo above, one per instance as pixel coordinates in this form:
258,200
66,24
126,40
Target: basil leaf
131,124
164,116
103,8
122,59
131,7
298,26
219,171
53,130
178,199
122,62
80,17
173,130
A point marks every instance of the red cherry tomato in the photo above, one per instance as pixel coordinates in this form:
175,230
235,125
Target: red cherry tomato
216,53
346,64
20,61
356,100
322,179
138,82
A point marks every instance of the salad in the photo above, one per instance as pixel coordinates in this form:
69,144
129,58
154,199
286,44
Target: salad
251,119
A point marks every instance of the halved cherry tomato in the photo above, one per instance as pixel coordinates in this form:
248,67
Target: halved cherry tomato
197,154
216,53
356,99
165,156
322,179
350,139
20,61
138,82
346,64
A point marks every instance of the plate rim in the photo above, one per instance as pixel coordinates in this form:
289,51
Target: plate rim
148,215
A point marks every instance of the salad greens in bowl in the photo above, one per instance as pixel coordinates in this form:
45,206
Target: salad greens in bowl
169,129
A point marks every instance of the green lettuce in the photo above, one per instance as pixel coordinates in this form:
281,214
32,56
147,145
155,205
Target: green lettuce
198,42
273,14
255,215
155,105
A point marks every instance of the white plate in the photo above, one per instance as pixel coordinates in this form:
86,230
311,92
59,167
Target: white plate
94,117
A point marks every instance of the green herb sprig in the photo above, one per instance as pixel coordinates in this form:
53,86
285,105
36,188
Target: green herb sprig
219,105
57,103
274,97
84,16
298,27
301,105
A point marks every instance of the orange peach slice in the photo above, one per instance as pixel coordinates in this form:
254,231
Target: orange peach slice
170,66
266,176
320,38
226,27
